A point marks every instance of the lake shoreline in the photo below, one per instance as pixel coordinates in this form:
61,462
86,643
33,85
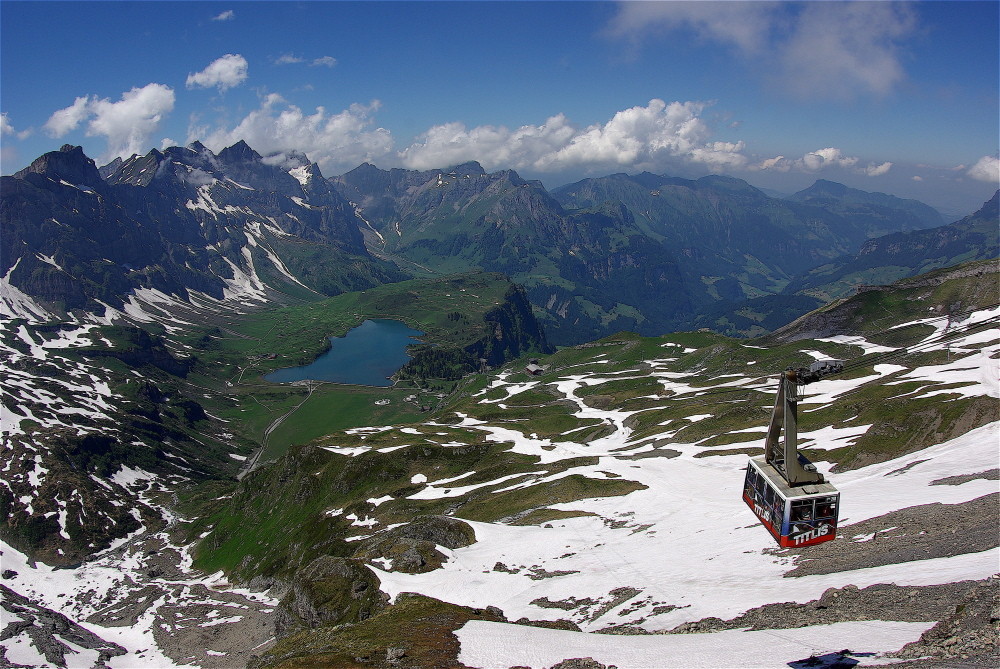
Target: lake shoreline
367,355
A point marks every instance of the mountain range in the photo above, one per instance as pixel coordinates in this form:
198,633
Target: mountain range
645,253
590,513
506,500
186,223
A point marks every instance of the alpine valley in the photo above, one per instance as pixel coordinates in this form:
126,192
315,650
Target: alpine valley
554,478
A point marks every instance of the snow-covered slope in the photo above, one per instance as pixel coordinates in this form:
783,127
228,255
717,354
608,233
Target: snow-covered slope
669,423
604,500
686,547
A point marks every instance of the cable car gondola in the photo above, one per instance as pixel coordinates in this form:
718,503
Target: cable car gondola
791,499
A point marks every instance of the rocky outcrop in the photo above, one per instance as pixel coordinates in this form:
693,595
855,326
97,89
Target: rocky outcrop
512,330
412,548
68,164
974,283
876,602
971,631
53,635
416,632
329,591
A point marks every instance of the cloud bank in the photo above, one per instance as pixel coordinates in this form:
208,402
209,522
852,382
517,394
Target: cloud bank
659,136
827,50
225,73
127,124
335,141
643,137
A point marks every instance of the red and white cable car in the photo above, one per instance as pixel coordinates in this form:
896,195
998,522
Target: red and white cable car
791,499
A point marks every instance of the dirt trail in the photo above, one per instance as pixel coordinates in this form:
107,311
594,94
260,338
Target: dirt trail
253,461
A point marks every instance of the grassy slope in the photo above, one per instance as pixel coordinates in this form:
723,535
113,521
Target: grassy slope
285,515
235,353
314,480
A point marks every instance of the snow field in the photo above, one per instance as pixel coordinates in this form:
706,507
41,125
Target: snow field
500,645
105,583
687,547
689,541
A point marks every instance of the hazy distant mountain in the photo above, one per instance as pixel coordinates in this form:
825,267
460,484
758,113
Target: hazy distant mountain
648,253
882,214
734,239
730,217
589,272
903,254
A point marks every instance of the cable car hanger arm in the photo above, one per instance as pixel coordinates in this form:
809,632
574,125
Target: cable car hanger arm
792,465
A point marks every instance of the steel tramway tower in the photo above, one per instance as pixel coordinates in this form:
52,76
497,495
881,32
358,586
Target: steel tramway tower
792,500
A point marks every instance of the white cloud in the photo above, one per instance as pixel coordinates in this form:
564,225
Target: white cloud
874,170
839,48
291,59
777,164
197,177
6,128
811,49
746,24
126,124
986,169
829,157
328,61
129,123
494,146
335,141
288,59
66,120
225,72
821,159
227,15
650,137
917,177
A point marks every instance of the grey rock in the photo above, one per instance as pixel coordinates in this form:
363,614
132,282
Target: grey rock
329,591
412,548
582,663
50,632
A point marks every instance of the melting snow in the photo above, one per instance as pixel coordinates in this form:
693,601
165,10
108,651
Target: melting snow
487,644
687,540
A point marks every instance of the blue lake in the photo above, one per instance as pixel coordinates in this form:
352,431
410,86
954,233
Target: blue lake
367,356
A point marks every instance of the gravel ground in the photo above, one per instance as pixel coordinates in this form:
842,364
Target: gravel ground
918,533
217,628
211,627
876,602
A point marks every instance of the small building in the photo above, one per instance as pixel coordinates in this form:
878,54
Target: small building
534,369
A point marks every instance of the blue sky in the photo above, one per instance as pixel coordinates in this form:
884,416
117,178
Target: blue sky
893,97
